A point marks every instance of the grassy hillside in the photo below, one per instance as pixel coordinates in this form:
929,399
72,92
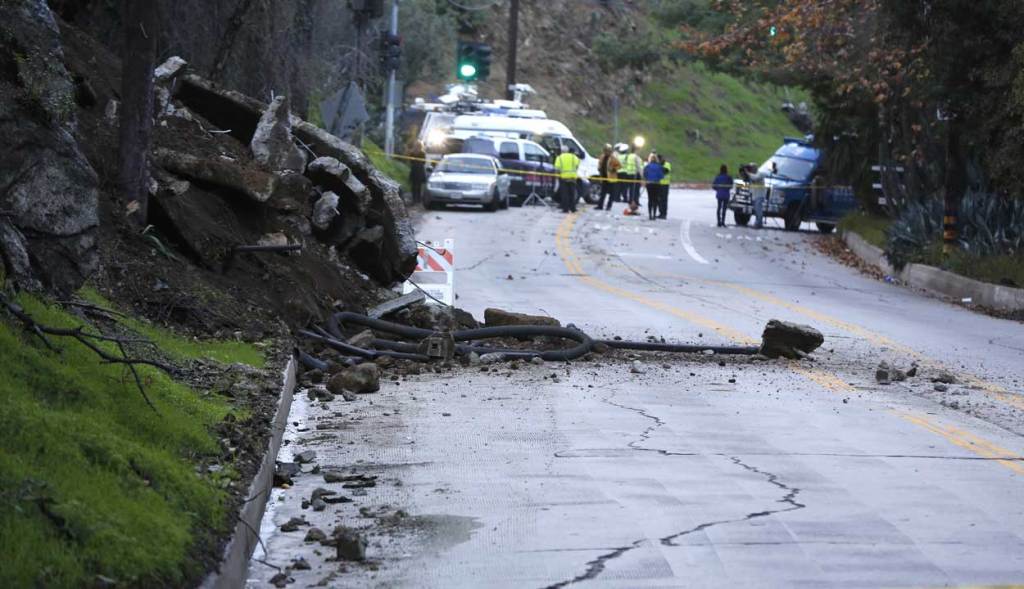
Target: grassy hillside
95,485
698,118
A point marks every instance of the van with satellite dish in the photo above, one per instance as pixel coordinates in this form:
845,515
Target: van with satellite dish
444,133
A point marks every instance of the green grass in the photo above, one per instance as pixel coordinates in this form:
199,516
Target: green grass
397,170
182,348
92,481
699,119
873,229
1003,269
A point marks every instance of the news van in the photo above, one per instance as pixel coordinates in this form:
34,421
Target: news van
445,132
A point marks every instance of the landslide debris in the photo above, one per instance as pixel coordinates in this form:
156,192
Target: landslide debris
782,339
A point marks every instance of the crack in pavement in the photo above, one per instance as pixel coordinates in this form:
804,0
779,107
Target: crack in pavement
772,479
596,566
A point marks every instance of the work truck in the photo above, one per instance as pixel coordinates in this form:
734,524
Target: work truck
795,189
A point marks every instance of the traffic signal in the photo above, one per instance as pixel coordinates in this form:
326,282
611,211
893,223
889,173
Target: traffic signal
390,52
472,61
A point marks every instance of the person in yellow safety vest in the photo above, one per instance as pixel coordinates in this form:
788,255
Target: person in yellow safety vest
632,165
567,165
666,184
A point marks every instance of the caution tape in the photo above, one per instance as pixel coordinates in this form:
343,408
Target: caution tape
616,180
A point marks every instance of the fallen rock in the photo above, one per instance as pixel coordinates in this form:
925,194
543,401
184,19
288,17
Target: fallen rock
325,210
492,358
272,144
255,184
333,499
499,317
300,564
335,176
305,457
360,379
318,504
281,580
350,544
944,377
363,339
283,473
169,69
789,340
636,367
315,535
940,387
293,524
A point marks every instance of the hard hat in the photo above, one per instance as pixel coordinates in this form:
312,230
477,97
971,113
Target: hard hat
621,148
565,148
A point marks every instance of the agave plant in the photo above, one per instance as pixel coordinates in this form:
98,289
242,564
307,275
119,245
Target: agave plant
991,224
918,225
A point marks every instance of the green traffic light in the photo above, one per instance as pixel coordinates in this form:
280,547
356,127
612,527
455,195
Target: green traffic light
467,70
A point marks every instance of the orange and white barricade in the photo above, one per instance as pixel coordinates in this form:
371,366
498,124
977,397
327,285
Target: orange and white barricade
435,272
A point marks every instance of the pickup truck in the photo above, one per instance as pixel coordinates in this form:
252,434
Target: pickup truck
795,188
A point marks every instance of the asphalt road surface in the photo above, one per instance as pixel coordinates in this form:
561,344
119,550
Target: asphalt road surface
696,471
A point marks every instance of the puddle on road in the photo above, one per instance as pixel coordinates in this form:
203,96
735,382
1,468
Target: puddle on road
435,532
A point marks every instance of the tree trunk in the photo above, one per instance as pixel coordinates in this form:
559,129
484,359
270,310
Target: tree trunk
137,63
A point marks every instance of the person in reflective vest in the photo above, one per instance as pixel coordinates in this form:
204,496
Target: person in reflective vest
567,166
630,174
608,169
666,184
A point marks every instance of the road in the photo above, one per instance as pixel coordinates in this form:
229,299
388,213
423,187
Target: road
697,472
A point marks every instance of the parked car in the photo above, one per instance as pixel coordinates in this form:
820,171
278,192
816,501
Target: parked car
528,164
466,178
796,189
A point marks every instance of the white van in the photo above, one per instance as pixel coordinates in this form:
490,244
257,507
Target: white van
438,128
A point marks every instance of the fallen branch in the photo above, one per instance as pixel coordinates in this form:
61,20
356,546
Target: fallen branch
88,340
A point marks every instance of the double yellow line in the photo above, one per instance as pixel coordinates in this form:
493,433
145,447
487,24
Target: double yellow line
829,381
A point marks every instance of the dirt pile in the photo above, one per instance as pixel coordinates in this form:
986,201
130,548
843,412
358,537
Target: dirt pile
230,172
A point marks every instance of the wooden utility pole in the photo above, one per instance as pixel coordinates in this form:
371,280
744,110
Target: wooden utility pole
138,57
513,42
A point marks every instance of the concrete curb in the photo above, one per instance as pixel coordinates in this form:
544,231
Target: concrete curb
234,565
939,282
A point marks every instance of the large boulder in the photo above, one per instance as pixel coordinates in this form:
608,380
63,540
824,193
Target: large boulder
789,340
48,191
272,143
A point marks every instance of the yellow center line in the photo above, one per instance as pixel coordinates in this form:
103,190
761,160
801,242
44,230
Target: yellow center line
575,266
969,441
994,390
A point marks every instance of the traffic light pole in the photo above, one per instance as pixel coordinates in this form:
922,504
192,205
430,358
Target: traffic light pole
513,42
389,120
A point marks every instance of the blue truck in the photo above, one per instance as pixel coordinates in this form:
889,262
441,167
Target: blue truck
794,188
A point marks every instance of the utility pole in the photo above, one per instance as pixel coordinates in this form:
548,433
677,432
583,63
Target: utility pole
513,42
389,120
615,117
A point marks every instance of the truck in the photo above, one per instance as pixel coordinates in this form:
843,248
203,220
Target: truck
796,190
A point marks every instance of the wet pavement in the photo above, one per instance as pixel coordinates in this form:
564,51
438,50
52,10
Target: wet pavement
691,473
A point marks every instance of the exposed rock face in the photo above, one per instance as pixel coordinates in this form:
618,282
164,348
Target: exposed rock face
789,340
48,191
272,144
368,200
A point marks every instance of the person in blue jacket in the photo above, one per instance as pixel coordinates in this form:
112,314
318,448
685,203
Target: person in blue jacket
654,172
723,187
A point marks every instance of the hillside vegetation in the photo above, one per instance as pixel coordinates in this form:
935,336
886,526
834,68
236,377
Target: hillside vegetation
699,119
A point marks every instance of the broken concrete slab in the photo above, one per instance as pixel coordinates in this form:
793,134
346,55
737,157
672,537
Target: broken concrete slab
329,173
256,184
499,317
397,304
789,340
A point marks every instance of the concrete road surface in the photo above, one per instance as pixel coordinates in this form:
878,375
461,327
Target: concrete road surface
694,471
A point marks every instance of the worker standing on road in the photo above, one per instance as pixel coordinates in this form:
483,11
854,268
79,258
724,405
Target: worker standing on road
567,165
666,184
760,191
653,174
723,187
630,175
417,171
608,169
